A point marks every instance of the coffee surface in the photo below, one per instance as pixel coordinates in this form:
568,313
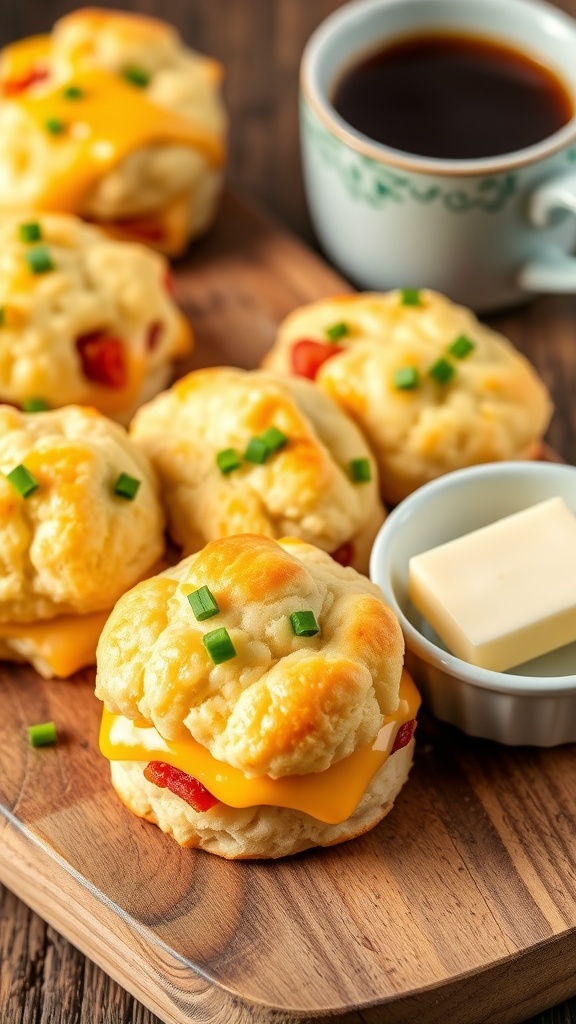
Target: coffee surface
455,97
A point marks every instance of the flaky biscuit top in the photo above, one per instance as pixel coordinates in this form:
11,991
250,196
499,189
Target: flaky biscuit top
305,489
73,545
284,705
493,407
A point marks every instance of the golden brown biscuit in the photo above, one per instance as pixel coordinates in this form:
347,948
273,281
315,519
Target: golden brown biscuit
85,320
70,543
276,713
305,488
432,388
113,118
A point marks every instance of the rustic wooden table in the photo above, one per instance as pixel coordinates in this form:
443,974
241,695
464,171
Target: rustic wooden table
43,979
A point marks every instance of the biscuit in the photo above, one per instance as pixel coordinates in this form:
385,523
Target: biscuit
113,118
432,388
92,323
304,489
283,705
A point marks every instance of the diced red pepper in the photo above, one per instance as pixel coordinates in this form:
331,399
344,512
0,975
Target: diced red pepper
181,784
153,336
308,356
103,359
404,735
14,86
344,555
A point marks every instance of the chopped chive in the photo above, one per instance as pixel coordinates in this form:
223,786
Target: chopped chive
127,486
42,735
203,604
360,471
219,645
274,439
461,347
22,481
30,232
304,623
406,378
39,260
336,331
410,296
136,76
442,371
54,125
227,460
73,92
35,405
257,451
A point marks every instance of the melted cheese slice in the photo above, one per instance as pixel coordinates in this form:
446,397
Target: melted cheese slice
66,644
111,120
330,796
20,58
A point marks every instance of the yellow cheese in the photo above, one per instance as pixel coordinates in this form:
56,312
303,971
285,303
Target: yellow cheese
67,643
503,594
20,58
330,796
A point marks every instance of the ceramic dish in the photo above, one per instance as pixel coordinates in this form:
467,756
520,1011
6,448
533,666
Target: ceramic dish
534,703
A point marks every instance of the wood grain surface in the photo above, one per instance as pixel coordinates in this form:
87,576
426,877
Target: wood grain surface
44,979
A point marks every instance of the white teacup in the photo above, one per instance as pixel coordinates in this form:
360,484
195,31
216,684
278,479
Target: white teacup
485,232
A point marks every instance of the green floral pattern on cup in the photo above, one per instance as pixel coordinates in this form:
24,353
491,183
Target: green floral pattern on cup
370,182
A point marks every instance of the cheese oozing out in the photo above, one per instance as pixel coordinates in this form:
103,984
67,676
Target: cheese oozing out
506,593
330,796
57,647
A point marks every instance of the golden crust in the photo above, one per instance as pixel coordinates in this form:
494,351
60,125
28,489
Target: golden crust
494,408
96,285
73,546
284,705
256,832
303,490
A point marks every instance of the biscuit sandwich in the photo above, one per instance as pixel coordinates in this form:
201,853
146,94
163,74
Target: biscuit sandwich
80,524
113,118
255,700
432,388
84,319
242,451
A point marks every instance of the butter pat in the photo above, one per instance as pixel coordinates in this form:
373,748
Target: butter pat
503,594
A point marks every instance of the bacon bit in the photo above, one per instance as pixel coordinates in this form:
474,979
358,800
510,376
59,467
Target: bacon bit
147,230
344,555
168,282
103,359
404,735
154,333
14,86
308,356
181,784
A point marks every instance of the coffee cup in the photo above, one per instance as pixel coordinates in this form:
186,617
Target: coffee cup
489,231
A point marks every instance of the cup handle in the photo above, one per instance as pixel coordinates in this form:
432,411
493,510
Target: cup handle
554,270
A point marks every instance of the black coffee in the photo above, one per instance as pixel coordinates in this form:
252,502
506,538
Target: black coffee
453,97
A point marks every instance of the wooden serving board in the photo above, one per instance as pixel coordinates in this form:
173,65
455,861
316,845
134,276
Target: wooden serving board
459,908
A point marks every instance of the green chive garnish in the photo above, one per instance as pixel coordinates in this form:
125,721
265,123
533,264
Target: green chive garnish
30,232
227,460
35,405
22,481
136,76
54,125
304,624
219,645
274,439
406,378
42,735
336,331
442,371
39,260
73,92
410,296
360,471
257,451
203,604
126,486
461,347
